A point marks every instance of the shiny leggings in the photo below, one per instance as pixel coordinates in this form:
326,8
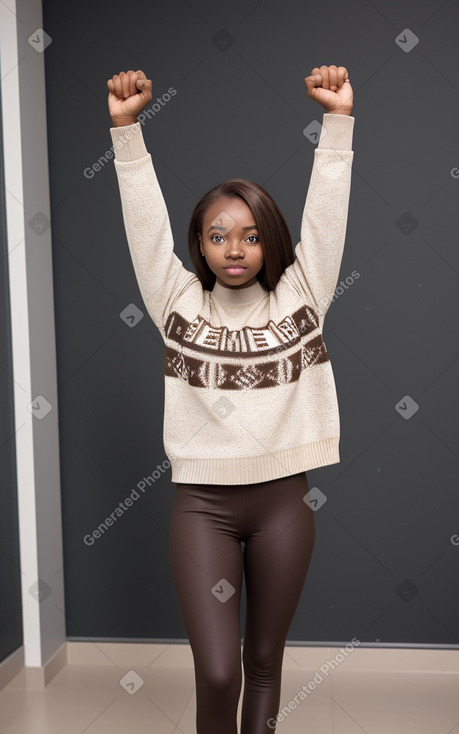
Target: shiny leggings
208,523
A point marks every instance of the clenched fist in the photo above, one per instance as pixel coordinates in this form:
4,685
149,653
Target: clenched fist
129,92
327,87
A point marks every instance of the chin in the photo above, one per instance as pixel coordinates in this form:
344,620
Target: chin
235,282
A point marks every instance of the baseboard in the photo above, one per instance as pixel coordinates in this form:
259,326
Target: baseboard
327,660
35,676
350,657
11,666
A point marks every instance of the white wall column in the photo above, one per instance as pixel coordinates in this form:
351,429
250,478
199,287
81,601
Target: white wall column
32,322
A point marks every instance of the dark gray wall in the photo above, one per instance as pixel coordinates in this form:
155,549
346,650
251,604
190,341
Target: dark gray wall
385,560
10,571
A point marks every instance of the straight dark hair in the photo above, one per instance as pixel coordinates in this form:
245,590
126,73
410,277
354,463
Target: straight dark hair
273,230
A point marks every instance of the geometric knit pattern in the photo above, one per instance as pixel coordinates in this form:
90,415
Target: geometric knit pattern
258,349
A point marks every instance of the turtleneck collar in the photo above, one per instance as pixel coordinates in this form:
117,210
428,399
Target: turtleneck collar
239,296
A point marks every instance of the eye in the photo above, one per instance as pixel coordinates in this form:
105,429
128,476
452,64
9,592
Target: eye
256,238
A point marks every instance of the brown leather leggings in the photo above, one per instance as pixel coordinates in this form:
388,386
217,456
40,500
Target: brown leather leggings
208,523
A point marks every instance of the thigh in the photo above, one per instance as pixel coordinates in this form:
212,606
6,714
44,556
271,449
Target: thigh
206,561
277,554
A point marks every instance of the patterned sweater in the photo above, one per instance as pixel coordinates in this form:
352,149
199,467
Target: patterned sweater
250,393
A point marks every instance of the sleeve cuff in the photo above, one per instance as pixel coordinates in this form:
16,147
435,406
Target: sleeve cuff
337,131
128,142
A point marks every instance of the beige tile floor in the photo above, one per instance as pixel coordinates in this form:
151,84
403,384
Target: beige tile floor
89,698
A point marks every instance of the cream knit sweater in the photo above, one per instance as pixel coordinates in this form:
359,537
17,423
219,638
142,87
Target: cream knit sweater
250,393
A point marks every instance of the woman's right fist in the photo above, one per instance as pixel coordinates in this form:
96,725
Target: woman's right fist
129,92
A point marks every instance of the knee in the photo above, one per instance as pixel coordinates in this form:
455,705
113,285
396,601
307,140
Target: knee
262,663
220,680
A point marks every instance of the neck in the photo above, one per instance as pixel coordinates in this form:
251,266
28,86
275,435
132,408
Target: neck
239,296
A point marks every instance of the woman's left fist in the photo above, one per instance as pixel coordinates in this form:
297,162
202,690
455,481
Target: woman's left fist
330,87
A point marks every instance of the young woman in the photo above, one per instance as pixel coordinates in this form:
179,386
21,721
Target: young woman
250,398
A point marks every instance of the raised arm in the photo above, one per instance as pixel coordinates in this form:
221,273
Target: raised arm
319,253
160,274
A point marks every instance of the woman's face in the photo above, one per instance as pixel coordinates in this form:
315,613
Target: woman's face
230,237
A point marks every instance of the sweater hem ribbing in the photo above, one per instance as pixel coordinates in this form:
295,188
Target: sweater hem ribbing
253,469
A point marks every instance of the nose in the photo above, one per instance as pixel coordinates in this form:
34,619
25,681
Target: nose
235,249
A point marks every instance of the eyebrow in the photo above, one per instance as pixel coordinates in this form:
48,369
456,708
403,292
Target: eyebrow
251,226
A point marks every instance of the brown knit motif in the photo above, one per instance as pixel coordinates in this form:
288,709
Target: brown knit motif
235,366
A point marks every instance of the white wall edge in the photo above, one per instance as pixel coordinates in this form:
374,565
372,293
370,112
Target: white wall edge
33,330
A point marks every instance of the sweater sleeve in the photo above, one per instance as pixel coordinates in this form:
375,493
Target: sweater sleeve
160,274
318,255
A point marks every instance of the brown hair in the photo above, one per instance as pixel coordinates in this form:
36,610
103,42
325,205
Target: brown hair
272,228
